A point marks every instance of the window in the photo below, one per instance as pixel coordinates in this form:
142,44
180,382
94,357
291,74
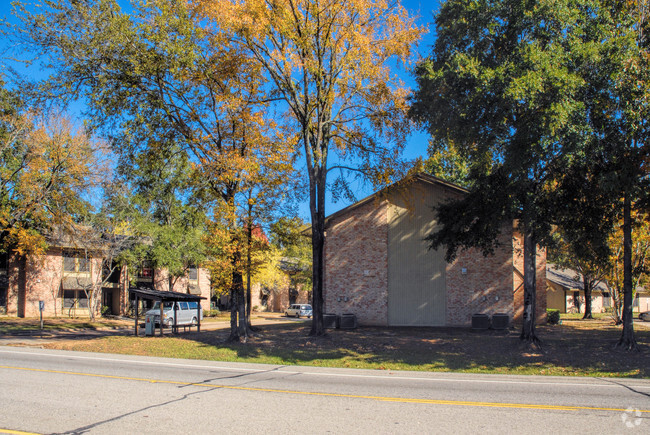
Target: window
74,261
69,263
75,299
607,300
112,273
193,273
3,262
146,271
167,305
183,305
193,305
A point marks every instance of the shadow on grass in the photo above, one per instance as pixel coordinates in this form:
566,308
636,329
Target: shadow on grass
573,348
567,350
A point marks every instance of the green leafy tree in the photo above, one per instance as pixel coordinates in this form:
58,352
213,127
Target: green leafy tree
445,161
617,105
545,90
162,210
581,243
502,85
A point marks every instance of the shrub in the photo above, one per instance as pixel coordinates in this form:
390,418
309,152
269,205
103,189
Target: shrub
552,316
211,313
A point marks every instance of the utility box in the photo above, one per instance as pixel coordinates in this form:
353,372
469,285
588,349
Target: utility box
480,322
330,321
348,321
149,327
500,321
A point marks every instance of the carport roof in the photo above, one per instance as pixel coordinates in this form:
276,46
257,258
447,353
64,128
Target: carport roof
157,295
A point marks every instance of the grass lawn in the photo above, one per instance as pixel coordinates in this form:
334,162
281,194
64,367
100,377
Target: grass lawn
574,348
9,325
578,316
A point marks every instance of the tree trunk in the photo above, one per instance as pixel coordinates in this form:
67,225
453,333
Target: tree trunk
530,288
22,285
238,330
616,306
292,290
250,329
234,332
317,207
587,284
238,282
627,340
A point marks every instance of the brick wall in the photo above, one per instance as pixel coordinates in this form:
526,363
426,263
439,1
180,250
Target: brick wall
204,286
161,280
356,263
479,284
278,299
40,280
518,281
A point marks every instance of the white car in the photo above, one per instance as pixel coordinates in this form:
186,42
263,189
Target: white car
186,312
299,310
645,316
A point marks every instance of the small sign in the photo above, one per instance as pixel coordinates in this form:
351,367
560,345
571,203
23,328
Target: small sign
41,308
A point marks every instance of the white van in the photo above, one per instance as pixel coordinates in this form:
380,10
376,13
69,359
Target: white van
186,312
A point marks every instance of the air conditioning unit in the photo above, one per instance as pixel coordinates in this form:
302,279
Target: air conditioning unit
330,321
480,322
500,321
348,321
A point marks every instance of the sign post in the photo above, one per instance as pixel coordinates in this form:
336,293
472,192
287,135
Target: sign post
41,307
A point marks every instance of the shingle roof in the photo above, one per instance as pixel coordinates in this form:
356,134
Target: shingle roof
568,278
164,295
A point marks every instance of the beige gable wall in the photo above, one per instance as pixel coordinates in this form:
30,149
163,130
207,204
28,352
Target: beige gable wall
416,275
378,266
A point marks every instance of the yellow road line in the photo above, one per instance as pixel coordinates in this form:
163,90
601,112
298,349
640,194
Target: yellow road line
349,396
16,432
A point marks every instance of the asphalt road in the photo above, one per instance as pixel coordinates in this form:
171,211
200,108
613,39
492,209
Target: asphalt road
45,391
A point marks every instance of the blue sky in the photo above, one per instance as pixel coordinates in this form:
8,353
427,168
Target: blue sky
417,142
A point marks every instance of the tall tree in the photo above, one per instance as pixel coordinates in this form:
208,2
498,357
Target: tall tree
329,64
151,78
160,207
48,168
590,264
582,243
544,87
620,110
617,105
502,85
640,262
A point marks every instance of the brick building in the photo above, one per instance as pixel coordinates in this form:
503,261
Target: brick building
61,277
565,292
277,300
379,267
